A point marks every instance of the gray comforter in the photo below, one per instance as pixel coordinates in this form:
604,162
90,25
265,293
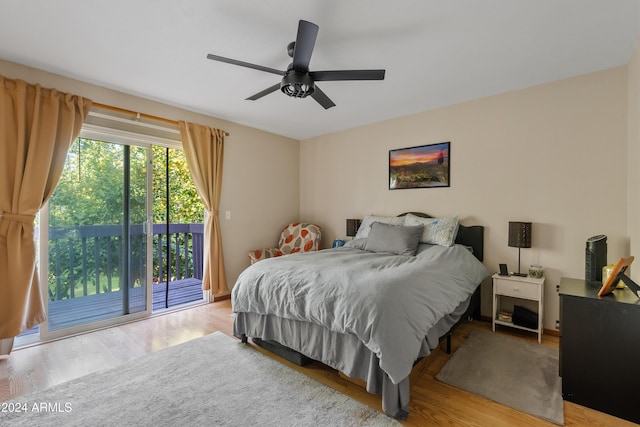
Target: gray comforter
388,301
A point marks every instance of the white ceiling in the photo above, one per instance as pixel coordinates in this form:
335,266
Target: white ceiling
435,52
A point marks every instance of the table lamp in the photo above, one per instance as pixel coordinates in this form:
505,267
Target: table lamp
352,227
519,237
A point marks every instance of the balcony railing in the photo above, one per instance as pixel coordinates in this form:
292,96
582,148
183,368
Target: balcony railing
87,260
85,284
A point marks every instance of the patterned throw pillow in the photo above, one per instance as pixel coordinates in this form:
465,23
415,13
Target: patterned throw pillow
296,237
437,231
300,237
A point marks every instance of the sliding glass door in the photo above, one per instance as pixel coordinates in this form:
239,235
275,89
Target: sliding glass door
121,237
178,232
98,245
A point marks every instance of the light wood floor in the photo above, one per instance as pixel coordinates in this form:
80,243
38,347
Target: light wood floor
432,403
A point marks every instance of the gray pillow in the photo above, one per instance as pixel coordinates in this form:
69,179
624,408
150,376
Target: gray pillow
395,239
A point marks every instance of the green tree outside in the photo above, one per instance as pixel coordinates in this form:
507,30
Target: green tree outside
90,192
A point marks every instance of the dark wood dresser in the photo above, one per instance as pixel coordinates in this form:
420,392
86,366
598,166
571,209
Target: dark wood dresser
600,348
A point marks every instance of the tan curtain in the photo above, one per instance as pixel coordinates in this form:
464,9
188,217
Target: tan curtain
37,127
204,148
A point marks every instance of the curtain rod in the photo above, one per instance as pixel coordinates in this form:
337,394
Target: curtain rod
135,113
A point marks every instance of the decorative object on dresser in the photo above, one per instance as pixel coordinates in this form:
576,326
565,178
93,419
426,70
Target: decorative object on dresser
352,226
618,275
426,166
523,288
519,237
600,348
295,237
595,257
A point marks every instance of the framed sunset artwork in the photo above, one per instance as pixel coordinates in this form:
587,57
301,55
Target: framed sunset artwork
424,166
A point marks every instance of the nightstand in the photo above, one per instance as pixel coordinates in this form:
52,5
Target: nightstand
526,288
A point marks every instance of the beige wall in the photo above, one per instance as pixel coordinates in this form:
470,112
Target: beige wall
260,180
553,154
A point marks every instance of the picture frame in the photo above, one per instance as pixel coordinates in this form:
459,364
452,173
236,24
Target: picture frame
616,275
422,166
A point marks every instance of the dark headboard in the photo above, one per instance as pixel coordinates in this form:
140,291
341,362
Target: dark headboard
467,235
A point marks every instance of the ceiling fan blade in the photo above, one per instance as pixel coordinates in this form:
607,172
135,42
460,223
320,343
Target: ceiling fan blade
322,98
305,41
338,75
262,93
245,64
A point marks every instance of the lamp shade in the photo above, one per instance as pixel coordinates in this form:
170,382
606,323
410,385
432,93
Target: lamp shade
519,234
352,227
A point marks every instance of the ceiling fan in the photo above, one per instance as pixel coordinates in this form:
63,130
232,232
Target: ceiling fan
298,81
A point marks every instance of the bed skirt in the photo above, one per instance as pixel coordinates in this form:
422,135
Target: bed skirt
344,352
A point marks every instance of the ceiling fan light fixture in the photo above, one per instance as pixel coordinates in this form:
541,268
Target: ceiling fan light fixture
297,85
297,80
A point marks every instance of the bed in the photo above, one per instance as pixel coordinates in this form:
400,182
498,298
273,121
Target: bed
370,309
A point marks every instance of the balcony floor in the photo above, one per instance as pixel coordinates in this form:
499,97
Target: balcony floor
81,310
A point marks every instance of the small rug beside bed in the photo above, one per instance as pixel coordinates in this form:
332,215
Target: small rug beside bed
213,380
515,373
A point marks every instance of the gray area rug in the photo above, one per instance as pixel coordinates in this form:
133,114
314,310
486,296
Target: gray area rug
210,381
515,373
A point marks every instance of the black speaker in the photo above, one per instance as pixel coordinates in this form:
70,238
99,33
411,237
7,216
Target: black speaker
524,317
595,257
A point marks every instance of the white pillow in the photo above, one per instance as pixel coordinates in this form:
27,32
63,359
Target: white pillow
437,231
365,226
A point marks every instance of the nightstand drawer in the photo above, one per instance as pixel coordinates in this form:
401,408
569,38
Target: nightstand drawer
517,289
